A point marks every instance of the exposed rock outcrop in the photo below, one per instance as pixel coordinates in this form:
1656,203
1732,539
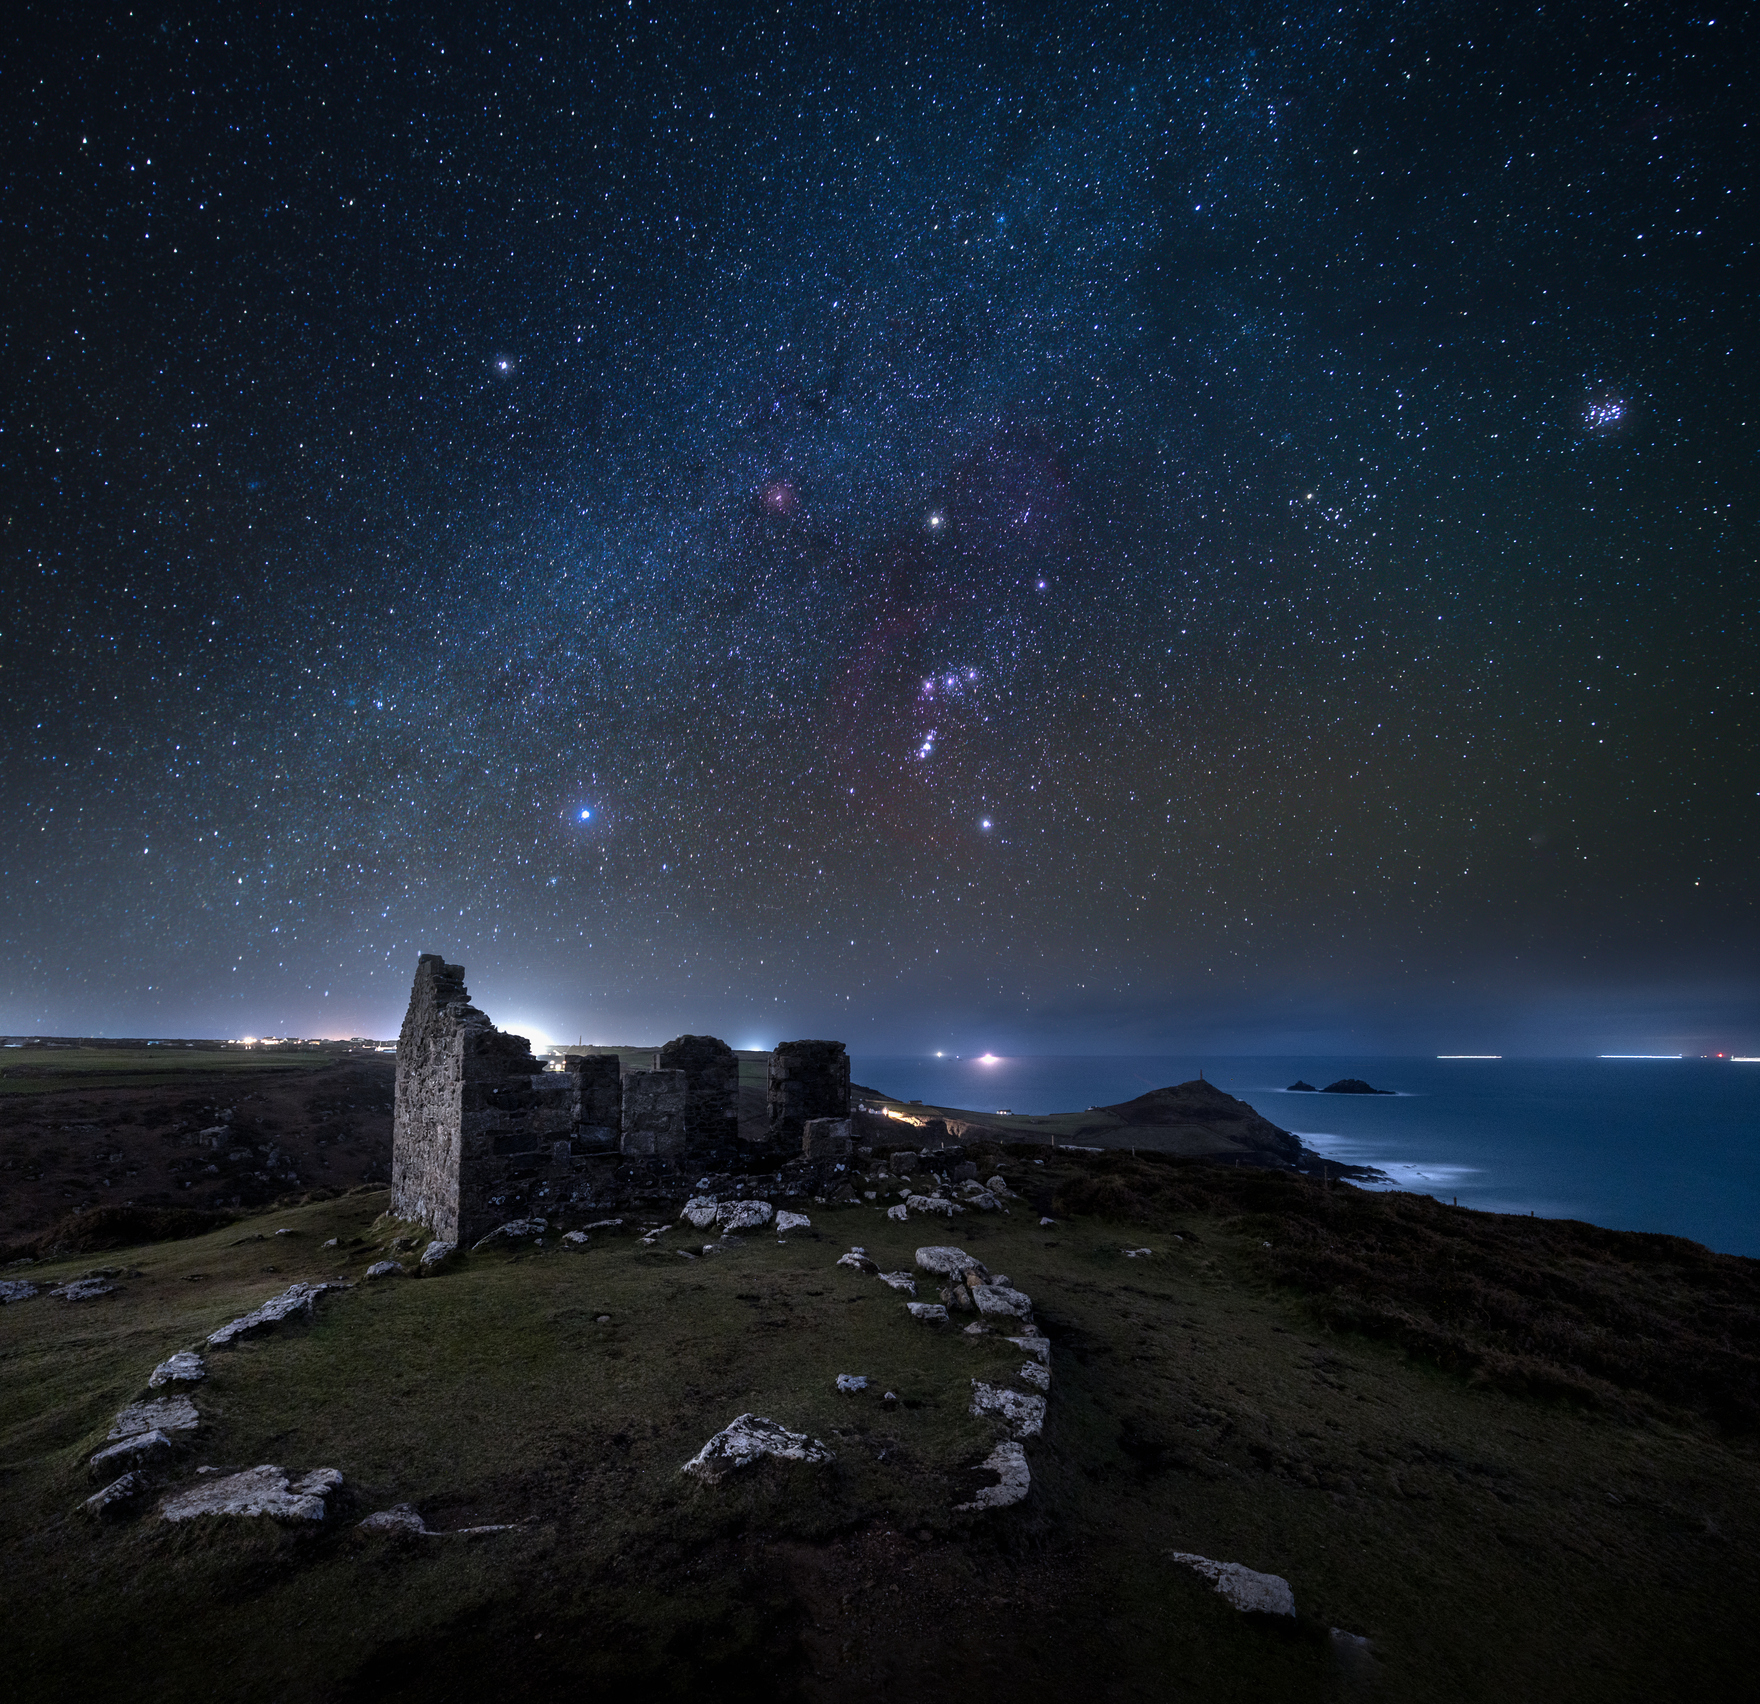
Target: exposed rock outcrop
750,1438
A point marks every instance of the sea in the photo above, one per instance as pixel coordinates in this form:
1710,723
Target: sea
1668,1145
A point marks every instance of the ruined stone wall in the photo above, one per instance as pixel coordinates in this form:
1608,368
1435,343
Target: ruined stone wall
711,1114
598,1114
654,1111
482,1133
808,1079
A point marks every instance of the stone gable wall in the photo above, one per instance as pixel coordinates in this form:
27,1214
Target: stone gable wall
808,1079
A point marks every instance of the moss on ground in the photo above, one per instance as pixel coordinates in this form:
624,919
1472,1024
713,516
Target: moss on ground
1489,1542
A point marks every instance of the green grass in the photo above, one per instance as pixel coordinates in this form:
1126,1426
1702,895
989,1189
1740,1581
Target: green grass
1491,1544
35,1071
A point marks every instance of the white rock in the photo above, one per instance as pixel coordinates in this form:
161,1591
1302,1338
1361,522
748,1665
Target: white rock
295,1299
400,1518
1247,1590
1025,1414
1045,1221
17,1290
185,1367
384,1269
1033,1373
437,1253
164,1414
515,1230
931,1204
332,1243
997,1186
996,1301
900,1281
1039,1346
851,1382
604,1224
984,1201
792,1222
575,1239
256,1491
952,1263
900,1212
1009,1461
748,1439
133,1452
700,1210
1137,1253
83,1290
932,1311
856,1261
116,1497
743,1215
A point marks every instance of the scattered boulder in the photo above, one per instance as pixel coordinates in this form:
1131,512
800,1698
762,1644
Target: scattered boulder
295,1299
1298,1087
952,1263
254,1492
575,1239
700,1210
117,1498
857,1261
399,1518
743,1215
17,1290
900,1212
748,1439
1009,1462
133,1453
1035,1374
1043,1221
1137,1253
997,1186
849,1383
514,1231
185,1367
438,1253
1025,1414
930,1204
165,1414
384,1269
997,1301
1040,1346
786,1222
933,1312
1250,1592
899,1281
83,1290
1350,1086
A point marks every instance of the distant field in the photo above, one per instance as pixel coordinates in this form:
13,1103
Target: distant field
35,1071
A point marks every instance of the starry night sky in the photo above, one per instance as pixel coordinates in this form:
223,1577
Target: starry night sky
1071,528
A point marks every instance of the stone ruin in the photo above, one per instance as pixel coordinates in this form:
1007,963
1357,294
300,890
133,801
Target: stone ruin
484,1133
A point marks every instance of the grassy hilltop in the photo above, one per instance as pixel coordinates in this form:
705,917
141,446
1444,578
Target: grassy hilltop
1517,1455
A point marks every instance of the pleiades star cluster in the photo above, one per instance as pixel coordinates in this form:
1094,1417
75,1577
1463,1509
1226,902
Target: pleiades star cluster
1064,527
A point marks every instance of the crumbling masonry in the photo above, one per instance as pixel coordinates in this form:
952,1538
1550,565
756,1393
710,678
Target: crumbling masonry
483,1133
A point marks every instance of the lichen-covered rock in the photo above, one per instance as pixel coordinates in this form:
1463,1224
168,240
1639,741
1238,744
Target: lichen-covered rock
1008,1461
933,1312
257,1491
743,1215
514,1231
858,1261
952,1263
750,1438
163,1414
1039,1346
850,1383
117,1498
983,1201
17,1290
1033,1373
931,1204
900,1281
575,1239
898,1211
83,1290
1248,1590
185,1367
132,1453
383,1269
997,1186
997,1301
295,1299
436,1255
399,1518
1024,1414
786,1222
701,1210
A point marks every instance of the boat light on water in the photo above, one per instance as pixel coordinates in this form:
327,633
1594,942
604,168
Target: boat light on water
1638,1056
1469,1056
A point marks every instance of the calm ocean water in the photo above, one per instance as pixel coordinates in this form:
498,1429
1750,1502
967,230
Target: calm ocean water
1639,1145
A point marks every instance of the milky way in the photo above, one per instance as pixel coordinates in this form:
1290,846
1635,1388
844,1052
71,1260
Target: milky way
1065,528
